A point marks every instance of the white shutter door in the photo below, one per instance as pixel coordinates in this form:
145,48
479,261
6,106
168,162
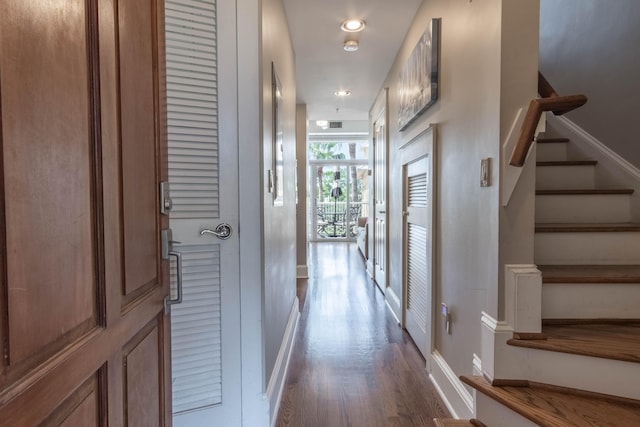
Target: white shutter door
418,256
194,182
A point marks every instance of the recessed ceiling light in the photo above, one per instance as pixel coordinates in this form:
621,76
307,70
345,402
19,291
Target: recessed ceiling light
342,93
351,45
353,25
322,123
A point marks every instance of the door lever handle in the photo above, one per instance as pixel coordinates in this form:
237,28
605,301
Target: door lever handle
222,231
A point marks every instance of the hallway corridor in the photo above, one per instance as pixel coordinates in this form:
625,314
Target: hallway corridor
352,365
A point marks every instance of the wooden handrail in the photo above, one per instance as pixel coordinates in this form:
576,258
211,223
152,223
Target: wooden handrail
550,101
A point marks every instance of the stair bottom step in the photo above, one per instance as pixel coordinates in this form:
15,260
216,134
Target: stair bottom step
551,406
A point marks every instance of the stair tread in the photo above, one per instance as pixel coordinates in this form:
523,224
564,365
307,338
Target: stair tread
551,140
567,163
583,191
586,227
616,341
590,273
550,406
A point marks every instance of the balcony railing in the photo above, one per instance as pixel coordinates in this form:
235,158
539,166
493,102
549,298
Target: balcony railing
335,219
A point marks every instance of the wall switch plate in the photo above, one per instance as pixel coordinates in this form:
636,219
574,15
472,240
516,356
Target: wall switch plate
447,317
485,172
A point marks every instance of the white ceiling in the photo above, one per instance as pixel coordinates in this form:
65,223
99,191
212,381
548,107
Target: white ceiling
322,65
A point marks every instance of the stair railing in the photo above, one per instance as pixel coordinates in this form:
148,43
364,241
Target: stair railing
549,101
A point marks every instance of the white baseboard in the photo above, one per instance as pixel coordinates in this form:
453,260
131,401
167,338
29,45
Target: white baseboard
456,397
393,303
279,374
302,272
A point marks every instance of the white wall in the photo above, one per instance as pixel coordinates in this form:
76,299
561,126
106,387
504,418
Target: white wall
479,93
591,47
279,221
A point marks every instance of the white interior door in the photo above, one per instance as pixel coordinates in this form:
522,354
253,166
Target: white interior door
418,238
203,176
380,208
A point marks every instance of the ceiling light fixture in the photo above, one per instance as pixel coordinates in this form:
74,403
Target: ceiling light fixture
324,124
351,45
352,25
342,93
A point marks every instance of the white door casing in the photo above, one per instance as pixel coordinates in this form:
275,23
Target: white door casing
418,239
203,177
380,202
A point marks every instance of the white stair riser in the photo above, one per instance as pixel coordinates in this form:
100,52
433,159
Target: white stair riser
587,248
557,177
591,301
591,208
594,374
494,414
550,152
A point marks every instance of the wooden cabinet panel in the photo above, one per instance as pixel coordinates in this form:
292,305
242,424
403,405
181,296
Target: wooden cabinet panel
142,371
48,157
82,154
138,133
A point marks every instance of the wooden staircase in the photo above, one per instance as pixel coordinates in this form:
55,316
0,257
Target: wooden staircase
584,368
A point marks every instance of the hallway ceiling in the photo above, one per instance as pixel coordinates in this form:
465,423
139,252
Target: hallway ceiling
323,66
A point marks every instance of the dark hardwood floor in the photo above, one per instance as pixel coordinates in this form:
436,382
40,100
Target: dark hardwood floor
352,364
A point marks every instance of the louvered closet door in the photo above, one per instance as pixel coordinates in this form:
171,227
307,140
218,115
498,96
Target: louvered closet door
203,187
418,243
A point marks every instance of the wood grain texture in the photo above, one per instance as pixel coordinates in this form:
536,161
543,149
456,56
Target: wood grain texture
550,406
618,341
352,365
568,163
587,228
48,156
586,191
552,140
590,273
138,142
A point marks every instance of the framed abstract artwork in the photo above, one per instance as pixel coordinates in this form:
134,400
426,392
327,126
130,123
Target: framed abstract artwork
418,85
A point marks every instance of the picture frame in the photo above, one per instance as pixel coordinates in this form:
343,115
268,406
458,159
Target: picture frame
418,85
277,184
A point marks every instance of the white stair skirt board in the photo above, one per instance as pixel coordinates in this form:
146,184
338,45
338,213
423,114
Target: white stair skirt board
503,361
591,301
494,414
583,208
587,248
575,177
551,151
566,127
279,374
456,395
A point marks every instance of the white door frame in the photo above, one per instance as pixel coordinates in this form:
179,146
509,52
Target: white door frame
419,145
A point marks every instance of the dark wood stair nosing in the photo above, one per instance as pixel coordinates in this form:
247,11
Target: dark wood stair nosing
584,191
567,163
552,140
604,274
587,228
